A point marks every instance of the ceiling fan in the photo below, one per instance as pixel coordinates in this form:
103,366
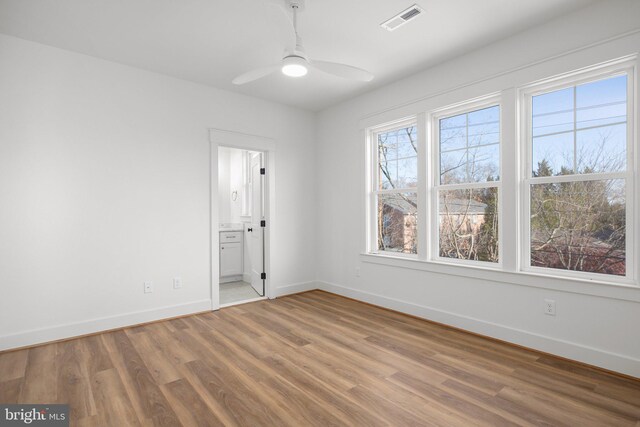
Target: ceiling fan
296,63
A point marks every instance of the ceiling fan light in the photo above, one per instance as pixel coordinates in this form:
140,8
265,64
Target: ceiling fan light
294,66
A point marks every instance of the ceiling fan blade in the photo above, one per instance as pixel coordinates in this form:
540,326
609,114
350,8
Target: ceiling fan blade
256,74
343,70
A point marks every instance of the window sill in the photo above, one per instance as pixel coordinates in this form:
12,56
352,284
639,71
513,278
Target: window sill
621,291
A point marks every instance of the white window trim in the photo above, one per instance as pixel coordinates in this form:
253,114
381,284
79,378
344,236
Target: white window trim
434,180
625,292
511,153
373,191
525,95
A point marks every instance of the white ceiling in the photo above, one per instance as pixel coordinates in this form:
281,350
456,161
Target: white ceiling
212,41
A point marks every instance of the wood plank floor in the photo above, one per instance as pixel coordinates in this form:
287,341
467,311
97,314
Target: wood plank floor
311,359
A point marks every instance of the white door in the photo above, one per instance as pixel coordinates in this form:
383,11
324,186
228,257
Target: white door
256,238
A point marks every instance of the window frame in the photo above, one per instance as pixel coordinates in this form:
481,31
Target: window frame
373,192
513,200
434,185
525,96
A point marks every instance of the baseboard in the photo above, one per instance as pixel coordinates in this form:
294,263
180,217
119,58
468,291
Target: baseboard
592,356
578,352
246,277
70,330
296,288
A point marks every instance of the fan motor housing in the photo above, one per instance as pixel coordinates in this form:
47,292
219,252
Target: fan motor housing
299,4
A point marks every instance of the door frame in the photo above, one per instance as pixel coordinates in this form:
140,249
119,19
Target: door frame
232,139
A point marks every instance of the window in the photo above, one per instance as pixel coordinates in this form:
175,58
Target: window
539,180
394,192
577,178
467,183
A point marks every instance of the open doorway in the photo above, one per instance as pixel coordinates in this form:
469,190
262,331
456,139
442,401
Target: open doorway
241,215
242,208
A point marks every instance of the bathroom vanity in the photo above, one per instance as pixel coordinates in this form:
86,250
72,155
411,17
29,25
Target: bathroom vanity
231,253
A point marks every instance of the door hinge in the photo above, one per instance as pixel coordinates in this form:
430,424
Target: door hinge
263,171
263,223
263,276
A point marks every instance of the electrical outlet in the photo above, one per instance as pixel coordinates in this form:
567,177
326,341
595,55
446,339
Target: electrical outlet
148,287
550,307
177,282
358,272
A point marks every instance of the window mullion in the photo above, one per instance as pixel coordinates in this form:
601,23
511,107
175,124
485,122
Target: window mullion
423,200
575,131
434,178
508,191
396,190
372,146
470,185
577,177
633,237
467,145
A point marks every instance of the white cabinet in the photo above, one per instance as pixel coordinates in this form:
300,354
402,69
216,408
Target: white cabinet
231,254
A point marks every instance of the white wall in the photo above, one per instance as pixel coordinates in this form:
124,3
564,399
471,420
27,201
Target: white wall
224,188
596,324
104,183
229,180
235,184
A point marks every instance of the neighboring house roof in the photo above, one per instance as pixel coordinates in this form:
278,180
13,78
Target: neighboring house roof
461,206
454,206
401,204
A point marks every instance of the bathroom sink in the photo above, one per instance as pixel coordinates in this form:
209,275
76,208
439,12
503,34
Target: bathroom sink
231,227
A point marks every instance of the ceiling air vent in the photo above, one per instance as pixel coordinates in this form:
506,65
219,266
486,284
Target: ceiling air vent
402,18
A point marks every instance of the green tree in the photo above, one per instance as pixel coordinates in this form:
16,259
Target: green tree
488,241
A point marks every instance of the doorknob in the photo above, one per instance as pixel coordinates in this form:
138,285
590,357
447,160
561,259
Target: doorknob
249,229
